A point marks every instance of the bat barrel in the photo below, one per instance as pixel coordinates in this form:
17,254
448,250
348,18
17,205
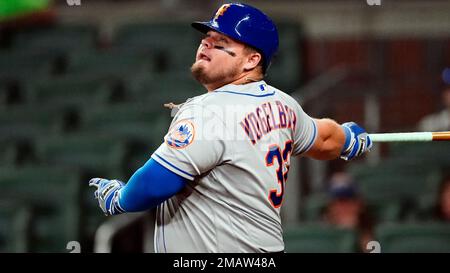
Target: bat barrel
441,136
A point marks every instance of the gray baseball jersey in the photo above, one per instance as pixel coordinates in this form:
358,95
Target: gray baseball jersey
234,146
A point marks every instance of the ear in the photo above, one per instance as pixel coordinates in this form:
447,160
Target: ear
252,61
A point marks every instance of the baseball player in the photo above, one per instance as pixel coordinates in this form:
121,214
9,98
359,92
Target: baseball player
218,180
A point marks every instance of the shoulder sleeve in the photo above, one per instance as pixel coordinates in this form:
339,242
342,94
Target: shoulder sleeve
305,131
194,143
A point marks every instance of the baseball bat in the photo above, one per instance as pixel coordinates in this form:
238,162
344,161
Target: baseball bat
411,137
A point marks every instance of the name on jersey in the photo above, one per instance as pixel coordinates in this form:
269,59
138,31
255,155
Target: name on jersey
266,118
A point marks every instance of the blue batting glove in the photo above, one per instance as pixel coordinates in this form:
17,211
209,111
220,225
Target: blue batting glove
357,141
108,193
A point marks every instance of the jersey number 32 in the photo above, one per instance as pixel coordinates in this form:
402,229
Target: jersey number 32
282,157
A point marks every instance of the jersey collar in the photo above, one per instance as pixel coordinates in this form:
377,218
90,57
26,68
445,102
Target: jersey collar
254,89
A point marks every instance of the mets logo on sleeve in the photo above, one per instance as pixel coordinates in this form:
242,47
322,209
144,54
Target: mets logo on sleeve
181,135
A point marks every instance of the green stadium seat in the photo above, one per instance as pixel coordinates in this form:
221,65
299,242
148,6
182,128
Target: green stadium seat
50,193
319,238
426,206
171,45
163,89
3,94
314,206
428,153
15,222
113,63
22,124
8,153
414,237
391,211
70,91
140,126
286,69
128,121
155,34
394,187
25,65
94,153
395,180
28,122
60,37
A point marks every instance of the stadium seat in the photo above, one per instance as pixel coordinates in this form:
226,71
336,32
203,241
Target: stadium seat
8,153
22,124
426,208
109,64
18,65
15,222
414,237
285,71
155,34
70,91
174,88
60,37
49,193
171,45
3,94
128,121
95,153
391,211
314,206
394,195
428,153
140,126
395,180
319,238
28,122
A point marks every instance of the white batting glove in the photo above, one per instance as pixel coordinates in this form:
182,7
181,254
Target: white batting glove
357,141
108,193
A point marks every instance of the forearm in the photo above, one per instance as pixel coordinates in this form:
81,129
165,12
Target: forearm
149,186
329,142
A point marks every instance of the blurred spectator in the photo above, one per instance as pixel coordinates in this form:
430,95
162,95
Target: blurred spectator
347,208
439,121
435,207
442,209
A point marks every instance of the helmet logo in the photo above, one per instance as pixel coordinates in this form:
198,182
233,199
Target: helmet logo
221,11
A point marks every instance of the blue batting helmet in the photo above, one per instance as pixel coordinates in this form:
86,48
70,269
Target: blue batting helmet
246,24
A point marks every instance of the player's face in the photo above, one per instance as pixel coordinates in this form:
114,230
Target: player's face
219,59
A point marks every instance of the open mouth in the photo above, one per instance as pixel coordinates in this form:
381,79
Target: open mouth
203,57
